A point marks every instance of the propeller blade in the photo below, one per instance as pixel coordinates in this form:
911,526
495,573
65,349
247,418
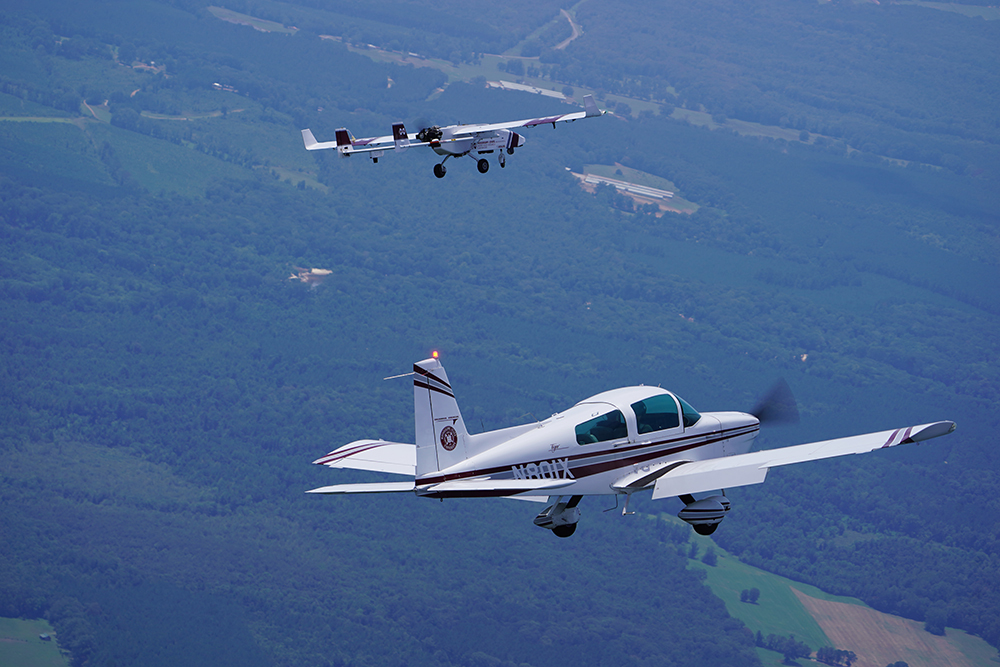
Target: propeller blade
777,406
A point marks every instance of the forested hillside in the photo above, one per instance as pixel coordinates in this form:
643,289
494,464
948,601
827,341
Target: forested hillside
165,385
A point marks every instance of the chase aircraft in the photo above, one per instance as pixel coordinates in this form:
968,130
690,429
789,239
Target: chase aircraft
615,443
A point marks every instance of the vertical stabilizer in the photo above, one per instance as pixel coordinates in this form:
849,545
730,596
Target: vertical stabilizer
441,437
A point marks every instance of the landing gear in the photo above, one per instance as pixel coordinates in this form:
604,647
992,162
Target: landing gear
704,515
483,165
503,160
564,531
439,170
562,517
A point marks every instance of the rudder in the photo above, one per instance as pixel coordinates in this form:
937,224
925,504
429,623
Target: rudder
441,437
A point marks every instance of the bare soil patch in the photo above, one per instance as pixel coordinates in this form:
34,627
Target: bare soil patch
880,639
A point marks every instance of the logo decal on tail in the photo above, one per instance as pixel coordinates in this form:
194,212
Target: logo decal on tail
449,438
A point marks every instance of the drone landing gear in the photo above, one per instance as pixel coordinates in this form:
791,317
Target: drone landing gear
483,165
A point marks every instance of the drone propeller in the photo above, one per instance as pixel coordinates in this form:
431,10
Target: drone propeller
777,406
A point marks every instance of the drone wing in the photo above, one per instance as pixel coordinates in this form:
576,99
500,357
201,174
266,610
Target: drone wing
591,111
745,469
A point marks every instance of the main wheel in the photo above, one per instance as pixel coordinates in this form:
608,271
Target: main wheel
565,530
705,529
483,165
439,170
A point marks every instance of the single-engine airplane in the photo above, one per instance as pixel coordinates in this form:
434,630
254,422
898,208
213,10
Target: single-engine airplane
450,141
615,443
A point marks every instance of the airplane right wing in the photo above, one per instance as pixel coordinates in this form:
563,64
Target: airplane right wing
679,479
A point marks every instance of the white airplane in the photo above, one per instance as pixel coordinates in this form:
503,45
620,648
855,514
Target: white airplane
615,443
450,141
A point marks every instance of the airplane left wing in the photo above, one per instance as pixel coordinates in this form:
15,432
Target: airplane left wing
398,458
745,469
591,111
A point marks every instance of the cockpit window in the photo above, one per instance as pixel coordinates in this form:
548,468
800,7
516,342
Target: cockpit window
656,414
691,416
610,426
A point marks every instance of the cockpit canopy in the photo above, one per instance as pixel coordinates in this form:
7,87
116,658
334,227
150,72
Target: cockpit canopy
659,412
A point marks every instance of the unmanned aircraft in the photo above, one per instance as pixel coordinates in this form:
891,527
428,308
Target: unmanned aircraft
450,141
615,443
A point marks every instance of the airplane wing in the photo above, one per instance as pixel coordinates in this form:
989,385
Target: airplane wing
493,488
397,458
745,469
591,111
462,488
373,487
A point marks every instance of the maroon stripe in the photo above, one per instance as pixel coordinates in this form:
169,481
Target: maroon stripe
427,385
888,443
422,371
595,468
333,456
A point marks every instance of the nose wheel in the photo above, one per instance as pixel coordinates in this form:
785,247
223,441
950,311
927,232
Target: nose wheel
483,165
439,170
503,160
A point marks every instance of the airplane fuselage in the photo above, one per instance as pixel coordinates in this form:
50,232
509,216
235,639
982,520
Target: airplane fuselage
559,447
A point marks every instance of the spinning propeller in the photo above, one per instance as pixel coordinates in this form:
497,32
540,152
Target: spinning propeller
777,406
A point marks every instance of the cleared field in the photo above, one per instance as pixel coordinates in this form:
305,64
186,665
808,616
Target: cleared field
988,13
879,639
20,645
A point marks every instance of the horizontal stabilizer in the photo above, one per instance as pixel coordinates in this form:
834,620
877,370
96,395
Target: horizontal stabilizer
745,469
397,458
312,145
493,488
374,487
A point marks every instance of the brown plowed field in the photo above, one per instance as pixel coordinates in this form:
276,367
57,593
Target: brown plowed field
880,639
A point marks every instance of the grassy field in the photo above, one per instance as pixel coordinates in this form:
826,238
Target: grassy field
160,165
255,23
20,645
676,203
787,607
778,611
988,13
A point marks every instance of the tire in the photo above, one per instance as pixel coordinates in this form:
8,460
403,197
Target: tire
439,170
564,530
483,165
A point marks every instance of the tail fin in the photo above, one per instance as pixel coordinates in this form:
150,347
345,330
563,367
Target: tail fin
441,436
591,106
400,137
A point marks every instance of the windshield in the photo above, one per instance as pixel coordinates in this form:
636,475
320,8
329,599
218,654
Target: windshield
691,416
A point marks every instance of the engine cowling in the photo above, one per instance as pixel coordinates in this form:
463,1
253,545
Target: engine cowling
705,515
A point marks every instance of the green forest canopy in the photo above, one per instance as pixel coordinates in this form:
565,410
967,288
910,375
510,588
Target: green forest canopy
182,384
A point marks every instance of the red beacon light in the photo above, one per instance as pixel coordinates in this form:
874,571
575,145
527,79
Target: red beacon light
434,354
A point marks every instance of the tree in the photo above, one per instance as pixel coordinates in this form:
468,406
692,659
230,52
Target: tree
710,558
754,594
935,621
